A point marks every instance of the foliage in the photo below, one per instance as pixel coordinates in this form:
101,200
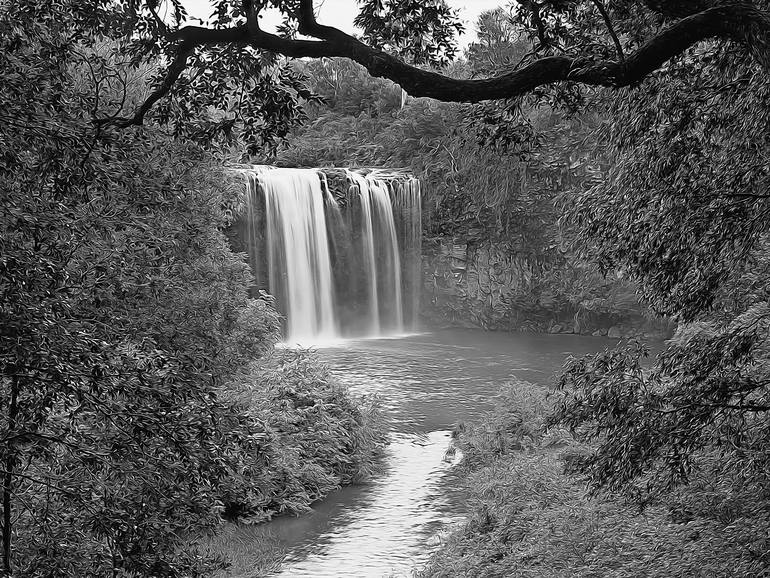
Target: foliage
699,173
693,234
530,519
315,438
498,46
681,211
122,311
124,318
575,293
237,95
706,396
421,32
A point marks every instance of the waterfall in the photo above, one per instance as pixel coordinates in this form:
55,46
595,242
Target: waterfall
298,251
381,253
408,205
368,253
338,264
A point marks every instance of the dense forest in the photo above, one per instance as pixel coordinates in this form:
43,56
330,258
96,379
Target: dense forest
494,180
612,156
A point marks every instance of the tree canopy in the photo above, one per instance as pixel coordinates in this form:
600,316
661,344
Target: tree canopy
230,63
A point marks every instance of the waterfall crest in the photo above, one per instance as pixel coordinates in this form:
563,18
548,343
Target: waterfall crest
339,263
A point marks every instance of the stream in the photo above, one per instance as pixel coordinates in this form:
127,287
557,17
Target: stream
427,382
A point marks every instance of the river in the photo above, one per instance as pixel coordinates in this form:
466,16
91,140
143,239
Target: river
427,383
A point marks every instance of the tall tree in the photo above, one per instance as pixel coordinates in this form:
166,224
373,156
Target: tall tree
683,209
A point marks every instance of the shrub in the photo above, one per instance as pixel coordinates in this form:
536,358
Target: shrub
528,518
314,437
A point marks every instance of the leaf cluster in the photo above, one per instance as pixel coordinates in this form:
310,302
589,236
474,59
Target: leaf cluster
681,209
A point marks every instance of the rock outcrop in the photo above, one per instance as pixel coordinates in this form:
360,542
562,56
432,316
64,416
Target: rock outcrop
497,287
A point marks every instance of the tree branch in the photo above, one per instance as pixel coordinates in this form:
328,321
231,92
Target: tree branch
678,8
737,20
610,29
252,17
184,51
152,7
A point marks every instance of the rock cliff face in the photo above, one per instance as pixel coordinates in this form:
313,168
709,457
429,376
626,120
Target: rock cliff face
493,286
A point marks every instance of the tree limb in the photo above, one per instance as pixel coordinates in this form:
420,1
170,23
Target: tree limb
175,69
736,20
610,29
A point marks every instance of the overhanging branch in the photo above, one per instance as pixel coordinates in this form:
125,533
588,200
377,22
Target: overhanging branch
740,21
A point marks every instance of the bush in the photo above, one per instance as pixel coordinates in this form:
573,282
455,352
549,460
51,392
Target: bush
528,518
314,438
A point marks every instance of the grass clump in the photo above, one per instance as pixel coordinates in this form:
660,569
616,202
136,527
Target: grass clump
528,518
252,551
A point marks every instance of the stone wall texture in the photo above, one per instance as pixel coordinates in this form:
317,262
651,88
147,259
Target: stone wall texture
493,287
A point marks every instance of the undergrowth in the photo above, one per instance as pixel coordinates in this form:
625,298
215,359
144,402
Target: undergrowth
527,518
313,436
316,437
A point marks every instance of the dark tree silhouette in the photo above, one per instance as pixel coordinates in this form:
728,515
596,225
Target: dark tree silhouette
565,35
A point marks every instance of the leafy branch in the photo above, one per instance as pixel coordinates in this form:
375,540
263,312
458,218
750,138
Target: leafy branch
736,20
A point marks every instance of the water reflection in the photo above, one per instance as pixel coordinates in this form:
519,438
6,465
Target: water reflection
379,529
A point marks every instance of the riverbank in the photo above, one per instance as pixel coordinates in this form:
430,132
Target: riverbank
426,383
527,518
316,438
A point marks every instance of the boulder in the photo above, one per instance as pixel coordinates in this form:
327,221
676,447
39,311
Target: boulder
614,332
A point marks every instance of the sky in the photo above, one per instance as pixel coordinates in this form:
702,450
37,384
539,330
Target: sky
340,14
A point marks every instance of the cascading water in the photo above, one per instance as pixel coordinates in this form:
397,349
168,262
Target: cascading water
338,267
408,204
381,254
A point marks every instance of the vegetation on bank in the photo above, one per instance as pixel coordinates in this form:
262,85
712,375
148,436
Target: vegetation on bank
530,518
141,402
664,469
315,437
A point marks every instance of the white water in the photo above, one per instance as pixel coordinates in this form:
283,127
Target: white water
381,197
381,253
298,252
406,205
335,277
367,247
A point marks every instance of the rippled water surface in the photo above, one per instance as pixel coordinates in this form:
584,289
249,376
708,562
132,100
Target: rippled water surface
427,382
